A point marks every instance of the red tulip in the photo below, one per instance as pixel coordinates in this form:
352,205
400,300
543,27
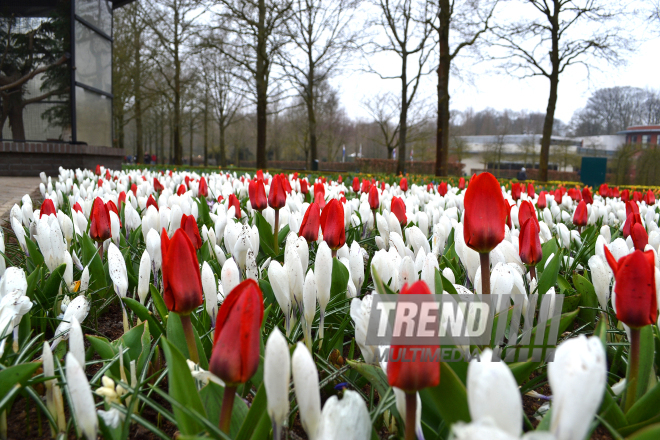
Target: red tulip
260,174
509,223
516,190
237,337
319,200
233,201
615,192
77,207
189,225
586,195
603,190
639,236
182,190
182,284
485,213
285,183
151,202
319,188
541,202
461,183
525,212
411,373
581,215
625,195
649,197
340,179
203,190
529,243
636,300
403,184
134,189
98,170
121,198
558,195
257,192
366,184
637,196
332,224
356,184
187,180
112,207
303,186
399,209
309,228
220,199
157,185
530,191
277,193
47,208
374,202
99,229
442,189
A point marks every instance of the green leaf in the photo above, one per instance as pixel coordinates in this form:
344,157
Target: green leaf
211,397
549,247
549,275
650,433
182,389
255,414
588,298
281,236
374,374
178,339
450,396
438,282
339,278
106,351
611,412
646,357
646,407
522,370
52,286
265,235
267,291
35,255
203,215
17,374
145,315
159,303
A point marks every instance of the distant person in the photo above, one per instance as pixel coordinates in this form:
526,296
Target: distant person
522,174
147,158
153,158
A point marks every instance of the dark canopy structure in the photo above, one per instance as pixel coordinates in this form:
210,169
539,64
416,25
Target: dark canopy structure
56,71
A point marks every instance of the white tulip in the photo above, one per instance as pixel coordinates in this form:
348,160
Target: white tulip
20,233
306,383
279,281
230,276
153,247
251,268
13,280
564,235
210,292
601,278
79,307
428,271
144,276
346,419
449,275
357,265
54,401
323,274
13,307
77,342
117,267
493,392
277,375
84,281
295,276
577,378
309,306
360,313
81,398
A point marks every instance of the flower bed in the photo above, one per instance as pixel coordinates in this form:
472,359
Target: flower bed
155,303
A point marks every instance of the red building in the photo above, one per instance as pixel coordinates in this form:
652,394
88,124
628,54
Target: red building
642,134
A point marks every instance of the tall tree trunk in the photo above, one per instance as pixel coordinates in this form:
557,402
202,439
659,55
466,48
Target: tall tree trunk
547,128
223,155
178,147
171,139
311,114
161,158
15,113
442,135
138,99
206,128
262,88
119,125
191,137
403,119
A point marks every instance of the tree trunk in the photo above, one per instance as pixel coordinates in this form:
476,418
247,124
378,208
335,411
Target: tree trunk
442,135
15,114
138,98
206,128
178,147
191,137
262,88
403,119
547,128
311,121
223,155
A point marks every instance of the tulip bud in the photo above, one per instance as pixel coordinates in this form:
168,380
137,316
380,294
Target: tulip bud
485,213
360,313
309,306
493,392
577,377
144,277
235,355
77,342
323,275
210,292
99,230
601,278
230,276
306,385
332,224
309,228
295,276
356,265
81,398
277,375
347,418
182,286
117,267
153,248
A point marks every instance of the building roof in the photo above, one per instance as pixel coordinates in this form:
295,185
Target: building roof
40,8
641,129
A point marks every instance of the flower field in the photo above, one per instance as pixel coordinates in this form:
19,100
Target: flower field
242,307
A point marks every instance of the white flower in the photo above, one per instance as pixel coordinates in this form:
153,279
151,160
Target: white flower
279,281
306,382
323,275
117,267
577,378
230,276
360,313
346,419
13,280
79,308
601,277
277,375
210,292
309,306
493,392
144,275
357,265
153,247
77,342
81,398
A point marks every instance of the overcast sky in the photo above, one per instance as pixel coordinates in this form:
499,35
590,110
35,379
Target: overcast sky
487,87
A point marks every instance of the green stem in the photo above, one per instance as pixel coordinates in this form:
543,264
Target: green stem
633,369
227,405
334,253
532,271
190,338
411,411
485,273
277,230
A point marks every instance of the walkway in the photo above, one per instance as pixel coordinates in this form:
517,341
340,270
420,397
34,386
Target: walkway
12,190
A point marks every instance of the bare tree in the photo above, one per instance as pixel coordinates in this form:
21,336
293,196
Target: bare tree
467,20
407,30
321,36
562,34
258,31
174,23
383,108
459,147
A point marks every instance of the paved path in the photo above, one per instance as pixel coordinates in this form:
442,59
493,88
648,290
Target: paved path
12,190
